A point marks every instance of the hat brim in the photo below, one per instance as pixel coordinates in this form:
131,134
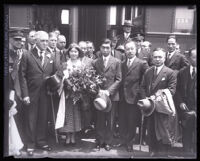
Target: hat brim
150,110
99,106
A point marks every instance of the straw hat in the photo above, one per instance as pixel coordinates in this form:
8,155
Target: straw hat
102,103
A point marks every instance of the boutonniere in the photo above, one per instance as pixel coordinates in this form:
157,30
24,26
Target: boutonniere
163,79
49,55
51,61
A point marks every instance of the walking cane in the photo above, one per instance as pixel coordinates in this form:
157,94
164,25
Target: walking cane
54,120
141,130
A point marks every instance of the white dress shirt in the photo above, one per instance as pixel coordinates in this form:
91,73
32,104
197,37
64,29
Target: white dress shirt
132,59
105,60
159,68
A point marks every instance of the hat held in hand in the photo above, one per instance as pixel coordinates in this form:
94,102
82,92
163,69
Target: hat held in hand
102,102
146,106
53,82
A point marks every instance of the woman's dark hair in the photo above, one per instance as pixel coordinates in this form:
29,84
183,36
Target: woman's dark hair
74,45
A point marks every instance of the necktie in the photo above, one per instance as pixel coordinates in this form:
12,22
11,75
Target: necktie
129,63
104,62
169,56
193,73
41,58
112,53
155,72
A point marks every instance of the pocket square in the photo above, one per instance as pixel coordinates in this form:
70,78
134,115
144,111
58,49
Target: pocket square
163,79
51,61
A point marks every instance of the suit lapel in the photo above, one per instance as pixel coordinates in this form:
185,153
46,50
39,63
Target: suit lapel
159,77
110,60
133,65
36,58
173,59
100,64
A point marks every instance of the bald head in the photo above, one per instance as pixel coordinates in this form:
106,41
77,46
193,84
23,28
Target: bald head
61,42
83,46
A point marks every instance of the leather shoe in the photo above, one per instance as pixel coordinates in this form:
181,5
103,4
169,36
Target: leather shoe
129,148
30,153
107,147
98,147
46,148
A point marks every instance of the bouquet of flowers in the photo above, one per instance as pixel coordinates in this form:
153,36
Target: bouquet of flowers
83,84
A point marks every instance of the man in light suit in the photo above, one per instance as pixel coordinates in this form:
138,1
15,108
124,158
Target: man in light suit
186,97
155,78
110,68
36,65
174,59
132,73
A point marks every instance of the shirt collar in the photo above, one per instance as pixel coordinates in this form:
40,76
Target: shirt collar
132,59
106,57
39,51
159,68
172,53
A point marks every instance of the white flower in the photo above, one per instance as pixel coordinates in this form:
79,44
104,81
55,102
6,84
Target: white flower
49,55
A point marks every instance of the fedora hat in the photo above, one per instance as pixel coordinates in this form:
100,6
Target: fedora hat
102,103
53,82
127,23
147,106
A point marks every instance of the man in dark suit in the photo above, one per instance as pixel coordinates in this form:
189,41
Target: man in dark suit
139,40
132,74
61,44
15,55
174,59
36,65
126,33
186,103
110,68
90,50
30,40
156,78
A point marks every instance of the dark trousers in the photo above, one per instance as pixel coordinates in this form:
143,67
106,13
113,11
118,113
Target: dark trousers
189,136
128,120
155,145
104,125
36,120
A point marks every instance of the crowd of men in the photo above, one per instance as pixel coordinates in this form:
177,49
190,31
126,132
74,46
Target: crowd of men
135,72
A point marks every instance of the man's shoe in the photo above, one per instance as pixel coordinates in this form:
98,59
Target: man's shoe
107,147
30,152
98,147
46,148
